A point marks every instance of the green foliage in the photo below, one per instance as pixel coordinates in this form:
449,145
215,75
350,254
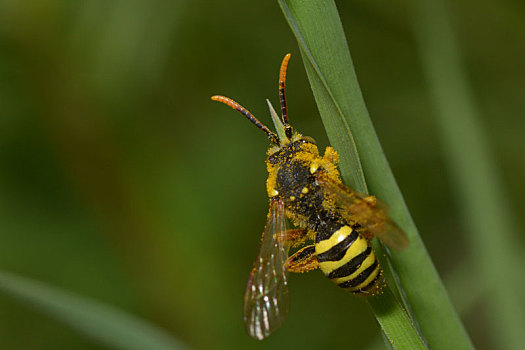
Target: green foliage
329,66
490,228
122,183
100,322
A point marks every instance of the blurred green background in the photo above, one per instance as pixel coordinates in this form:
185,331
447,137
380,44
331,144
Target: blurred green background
122,182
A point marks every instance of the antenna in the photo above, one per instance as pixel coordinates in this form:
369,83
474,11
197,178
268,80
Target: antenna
282,95
228,101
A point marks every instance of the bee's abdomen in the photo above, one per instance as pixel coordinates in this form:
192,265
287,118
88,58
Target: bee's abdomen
347,258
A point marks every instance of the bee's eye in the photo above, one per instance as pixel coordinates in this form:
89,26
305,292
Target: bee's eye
309,139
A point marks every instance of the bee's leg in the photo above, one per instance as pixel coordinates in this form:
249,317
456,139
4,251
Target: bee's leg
331,155
303,260
329,164
372,200
293,238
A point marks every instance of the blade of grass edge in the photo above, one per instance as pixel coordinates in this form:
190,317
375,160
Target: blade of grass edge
320,35
103,323
478,185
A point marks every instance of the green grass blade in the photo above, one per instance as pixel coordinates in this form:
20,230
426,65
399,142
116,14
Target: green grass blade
490,229
97,321
396,324
321,39
279,127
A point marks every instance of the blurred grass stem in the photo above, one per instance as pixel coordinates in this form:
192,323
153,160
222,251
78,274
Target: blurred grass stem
97,321
490,229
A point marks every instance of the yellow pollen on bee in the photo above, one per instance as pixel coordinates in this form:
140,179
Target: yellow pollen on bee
274,192
313,167
372,200
304,190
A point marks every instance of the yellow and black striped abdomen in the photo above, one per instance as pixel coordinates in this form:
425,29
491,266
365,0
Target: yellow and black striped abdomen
347,258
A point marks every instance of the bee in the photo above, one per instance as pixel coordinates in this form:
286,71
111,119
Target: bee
333,223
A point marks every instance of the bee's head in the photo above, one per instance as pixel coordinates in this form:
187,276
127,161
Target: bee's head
287,161
284,152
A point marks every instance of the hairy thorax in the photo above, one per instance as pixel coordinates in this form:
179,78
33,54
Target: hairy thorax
292,172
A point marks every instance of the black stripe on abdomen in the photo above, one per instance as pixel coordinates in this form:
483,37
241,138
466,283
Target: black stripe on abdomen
360,278
338,251
351,266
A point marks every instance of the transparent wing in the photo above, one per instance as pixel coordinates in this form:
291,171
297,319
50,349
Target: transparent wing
393,236
266,295
367,211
